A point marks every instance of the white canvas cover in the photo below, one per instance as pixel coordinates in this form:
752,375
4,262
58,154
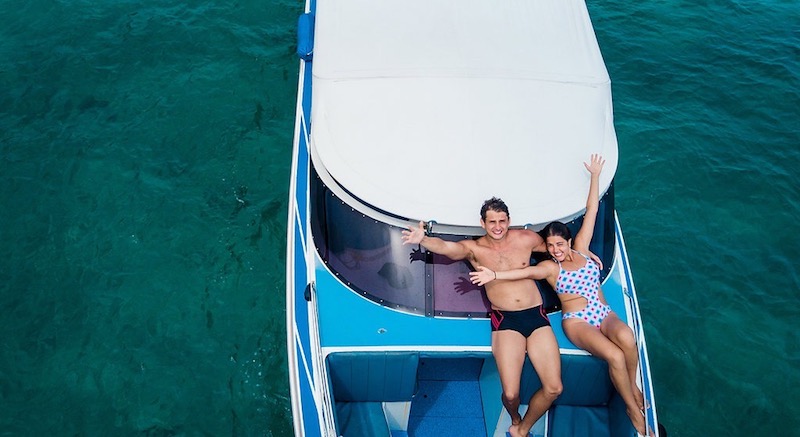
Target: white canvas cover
426,108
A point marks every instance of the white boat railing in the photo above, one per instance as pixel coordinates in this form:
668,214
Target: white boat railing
645,380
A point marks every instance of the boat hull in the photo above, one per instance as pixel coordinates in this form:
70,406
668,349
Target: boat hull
386,339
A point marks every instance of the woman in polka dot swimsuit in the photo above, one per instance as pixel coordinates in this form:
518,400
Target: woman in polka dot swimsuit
587,320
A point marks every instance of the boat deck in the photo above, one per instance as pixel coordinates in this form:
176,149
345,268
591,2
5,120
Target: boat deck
351,322
444,380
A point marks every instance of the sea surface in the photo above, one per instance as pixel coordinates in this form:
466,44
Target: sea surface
145,149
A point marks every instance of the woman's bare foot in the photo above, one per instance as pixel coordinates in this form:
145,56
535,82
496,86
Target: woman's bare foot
638,397
637,419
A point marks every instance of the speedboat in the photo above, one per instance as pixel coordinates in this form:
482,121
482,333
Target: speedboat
419,111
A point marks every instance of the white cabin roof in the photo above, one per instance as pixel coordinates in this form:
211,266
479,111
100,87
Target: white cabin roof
427,108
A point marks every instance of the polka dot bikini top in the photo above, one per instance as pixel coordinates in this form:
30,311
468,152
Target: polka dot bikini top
584,282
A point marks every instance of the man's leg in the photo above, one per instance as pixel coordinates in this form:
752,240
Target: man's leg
508,348
546,359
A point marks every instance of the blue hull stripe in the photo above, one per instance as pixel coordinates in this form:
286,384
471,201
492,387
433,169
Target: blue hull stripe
650,413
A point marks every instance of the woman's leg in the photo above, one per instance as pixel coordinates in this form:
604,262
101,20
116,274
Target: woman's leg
591,339
621,334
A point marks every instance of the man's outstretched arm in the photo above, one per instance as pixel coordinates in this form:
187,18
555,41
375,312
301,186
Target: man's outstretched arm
451,249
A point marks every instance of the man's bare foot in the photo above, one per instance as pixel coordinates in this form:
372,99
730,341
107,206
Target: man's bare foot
515,420
514,431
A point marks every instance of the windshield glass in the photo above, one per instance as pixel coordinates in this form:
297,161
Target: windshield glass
370,258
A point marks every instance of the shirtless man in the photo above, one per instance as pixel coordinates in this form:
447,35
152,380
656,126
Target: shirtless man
519,322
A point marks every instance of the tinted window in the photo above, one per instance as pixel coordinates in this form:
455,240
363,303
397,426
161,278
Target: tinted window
368,256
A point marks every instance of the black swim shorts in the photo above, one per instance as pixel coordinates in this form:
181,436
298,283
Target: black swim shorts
524,321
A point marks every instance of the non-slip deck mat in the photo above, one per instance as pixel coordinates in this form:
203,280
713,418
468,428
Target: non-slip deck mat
448,399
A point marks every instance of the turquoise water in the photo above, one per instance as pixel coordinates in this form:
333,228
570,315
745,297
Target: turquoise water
145,162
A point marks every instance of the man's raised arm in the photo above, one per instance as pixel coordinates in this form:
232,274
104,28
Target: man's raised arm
450,249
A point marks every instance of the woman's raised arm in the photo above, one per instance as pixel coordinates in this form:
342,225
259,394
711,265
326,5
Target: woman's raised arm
584,236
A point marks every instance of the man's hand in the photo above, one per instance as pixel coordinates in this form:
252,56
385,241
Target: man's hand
596,259
414,235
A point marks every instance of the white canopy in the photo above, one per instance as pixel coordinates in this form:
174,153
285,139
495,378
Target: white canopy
426,108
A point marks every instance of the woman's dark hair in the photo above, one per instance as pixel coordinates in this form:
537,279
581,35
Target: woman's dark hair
556,229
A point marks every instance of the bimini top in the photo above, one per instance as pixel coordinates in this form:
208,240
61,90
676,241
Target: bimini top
424,109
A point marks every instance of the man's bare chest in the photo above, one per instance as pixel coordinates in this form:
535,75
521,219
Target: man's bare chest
503,259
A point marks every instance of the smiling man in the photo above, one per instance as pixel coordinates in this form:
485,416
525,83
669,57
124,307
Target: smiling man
519,322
